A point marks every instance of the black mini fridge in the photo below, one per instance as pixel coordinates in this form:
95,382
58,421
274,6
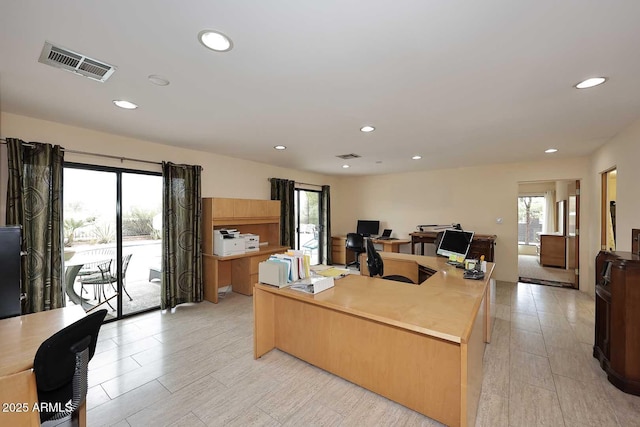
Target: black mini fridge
10,261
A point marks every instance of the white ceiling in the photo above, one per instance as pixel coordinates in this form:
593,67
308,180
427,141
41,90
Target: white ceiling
459,82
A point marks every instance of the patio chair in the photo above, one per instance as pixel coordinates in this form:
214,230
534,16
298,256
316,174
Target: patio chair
98,281
92,267
108,276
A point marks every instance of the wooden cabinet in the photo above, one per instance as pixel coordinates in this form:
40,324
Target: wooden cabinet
261,217
617,329
339,253
553,249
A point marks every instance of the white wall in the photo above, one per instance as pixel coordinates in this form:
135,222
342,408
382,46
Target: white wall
537,188
222,176
474,197
622,152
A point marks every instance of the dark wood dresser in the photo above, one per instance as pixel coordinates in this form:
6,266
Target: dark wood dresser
617,331
482,244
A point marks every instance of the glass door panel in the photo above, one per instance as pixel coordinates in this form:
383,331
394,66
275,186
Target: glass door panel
89,203
307,212
141,241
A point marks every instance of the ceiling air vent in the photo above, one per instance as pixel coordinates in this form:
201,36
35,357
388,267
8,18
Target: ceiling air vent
75,62
348,156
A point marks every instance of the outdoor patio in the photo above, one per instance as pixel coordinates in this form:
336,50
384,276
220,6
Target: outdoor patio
143,289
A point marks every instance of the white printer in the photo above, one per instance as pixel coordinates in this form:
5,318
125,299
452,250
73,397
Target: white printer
251,242
227,242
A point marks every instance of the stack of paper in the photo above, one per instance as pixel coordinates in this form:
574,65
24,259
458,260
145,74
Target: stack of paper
314,284
334,272
281,269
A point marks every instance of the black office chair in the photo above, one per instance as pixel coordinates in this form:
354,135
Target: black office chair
355,243
376,265
61,366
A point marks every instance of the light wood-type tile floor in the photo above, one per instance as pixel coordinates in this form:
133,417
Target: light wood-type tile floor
195,367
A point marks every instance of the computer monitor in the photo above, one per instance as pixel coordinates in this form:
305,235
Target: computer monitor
455,242
368,228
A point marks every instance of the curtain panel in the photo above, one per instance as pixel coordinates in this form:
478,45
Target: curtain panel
181,251
284,190
34,201
324,243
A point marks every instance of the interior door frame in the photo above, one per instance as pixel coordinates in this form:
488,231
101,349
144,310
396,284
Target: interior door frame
576,280
604,196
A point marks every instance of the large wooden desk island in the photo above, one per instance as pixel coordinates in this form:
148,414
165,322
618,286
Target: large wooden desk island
419,345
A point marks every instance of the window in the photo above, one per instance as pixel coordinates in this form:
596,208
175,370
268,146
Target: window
531,215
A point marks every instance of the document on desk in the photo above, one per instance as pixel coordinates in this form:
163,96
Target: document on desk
313,285
336,273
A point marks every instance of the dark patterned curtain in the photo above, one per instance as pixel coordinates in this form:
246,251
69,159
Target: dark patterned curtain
324,242
284,190
34,201
181,250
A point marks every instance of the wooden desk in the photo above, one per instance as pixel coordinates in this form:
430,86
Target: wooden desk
340,254
553,249
239,271
391,245
260,217
482,244
419,345
21,337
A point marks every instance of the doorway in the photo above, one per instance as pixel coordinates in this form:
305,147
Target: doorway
113,238
308,226
608,210
548,232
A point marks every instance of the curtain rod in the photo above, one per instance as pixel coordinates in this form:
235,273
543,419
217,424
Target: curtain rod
303,183
129,159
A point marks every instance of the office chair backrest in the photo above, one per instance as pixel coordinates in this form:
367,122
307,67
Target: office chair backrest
374,260
56,363
355,241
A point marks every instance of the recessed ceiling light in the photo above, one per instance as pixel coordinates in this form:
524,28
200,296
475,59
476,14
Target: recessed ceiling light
215,40
594,81
416,157
550,150
280,147
158,80
125,104
367,129
345,166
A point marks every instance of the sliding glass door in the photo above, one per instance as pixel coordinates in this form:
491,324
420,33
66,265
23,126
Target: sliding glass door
307,213
112,234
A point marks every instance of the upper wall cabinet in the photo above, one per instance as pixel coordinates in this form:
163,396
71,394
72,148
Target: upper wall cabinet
237,209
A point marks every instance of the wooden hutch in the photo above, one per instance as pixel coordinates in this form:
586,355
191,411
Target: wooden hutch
261,217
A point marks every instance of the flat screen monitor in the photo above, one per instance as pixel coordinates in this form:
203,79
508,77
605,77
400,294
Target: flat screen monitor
368,228
455,242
